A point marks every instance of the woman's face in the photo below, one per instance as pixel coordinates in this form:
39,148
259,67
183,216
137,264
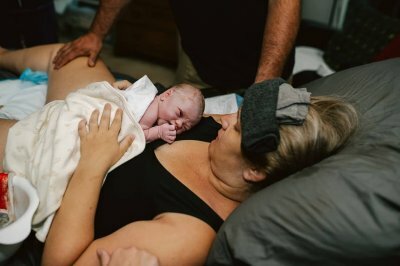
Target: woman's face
225,153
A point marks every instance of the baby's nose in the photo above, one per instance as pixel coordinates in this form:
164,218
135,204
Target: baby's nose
178,124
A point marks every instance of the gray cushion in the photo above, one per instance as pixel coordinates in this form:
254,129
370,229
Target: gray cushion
344,210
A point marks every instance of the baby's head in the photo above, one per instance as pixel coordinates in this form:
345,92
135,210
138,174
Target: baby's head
182,106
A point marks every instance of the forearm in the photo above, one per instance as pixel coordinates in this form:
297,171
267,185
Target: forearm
72,230
280,33
151,134
105,16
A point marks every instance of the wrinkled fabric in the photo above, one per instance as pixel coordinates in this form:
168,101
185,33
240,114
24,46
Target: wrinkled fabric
44,147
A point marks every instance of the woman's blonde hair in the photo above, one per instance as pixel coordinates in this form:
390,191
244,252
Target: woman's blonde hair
329,124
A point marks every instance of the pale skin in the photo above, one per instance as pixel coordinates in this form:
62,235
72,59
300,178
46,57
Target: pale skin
281,27
220,177
169,114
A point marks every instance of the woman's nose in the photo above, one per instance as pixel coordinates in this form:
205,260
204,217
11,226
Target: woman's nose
226,120
224,123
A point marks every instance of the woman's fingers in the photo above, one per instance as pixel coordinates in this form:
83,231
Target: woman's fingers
105,118
93,124
122,84
99,140
103,256
117,121
126,143
104,123
82,131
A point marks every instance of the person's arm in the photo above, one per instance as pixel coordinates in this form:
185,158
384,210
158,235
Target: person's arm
91,43
165,131
175,239
72,229
280,33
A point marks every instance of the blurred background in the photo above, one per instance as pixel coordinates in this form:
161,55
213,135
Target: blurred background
143,40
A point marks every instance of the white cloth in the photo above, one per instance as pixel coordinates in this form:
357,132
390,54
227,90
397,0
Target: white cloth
311,59
139,96
20,98
222,104
45,147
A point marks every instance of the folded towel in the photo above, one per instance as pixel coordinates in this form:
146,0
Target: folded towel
267,105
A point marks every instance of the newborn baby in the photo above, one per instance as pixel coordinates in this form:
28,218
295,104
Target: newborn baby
172,112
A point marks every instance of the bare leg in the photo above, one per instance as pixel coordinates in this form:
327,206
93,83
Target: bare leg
71,77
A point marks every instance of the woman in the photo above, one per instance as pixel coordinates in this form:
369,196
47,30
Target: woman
171,199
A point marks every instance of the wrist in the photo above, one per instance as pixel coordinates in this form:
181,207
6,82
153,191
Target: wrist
159,131
88,169
93,33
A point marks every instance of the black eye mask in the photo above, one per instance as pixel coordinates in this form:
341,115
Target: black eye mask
266,105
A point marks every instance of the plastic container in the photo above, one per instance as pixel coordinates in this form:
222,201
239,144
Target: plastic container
25,202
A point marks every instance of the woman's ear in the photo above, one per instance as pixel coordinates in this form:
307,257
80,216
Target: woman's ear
253,174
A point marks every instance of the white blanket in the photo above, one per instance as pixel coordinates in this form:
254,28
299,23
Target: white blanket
44,147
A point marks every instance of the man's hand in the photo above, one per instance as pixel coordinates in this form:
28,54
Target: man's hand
167,132
87,45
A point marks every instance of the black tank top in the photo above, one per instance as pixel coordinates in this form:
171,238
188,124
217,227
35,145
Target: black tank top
142,188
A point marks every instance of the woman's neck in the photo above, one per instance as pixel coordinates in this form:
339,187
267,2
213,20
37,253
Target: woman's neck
178,159
235,193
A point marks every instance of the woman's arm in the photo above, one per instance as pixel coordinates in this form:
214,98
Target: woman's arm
175,239
72,229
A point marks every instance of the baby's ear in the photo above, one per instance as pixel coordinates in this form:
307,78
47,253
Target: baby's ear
167,93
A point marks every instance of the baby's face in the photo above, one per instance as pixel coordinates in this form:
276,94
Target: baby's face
178,110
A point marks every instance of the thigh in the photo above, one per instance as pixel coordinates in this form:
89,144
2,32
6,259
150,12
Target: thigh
75,75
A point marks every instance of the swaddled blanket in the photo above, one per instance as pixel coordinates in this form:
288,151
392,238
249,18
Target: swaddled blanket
44,147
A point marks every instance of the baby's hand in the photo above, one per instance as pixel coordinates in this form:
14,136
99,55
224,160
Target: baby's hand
122,84
167,132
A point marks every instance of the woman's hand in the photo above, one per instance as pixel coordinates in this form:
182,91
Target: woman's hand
122,84
99,140
127,257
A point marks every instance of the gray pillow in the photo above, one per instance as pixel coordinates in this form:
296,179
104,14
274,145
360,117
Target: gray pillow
344,210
